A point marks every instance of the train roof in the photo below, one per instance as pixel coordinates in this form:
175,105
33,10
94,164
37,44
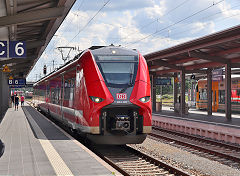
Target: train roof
109,50
96,50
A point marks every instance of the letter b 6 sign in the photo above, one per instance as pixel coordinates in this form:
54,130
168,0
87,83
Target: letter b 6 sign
17,49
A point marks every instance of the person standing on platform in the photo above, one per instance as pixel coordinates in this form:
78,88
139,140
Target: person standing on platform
16,101
22,100
12,98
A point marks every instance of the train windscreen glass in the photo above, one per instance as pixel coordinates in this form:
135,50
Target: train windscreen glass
118,71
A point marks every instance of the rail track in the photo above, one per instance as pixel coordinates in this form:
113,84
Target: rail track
224,153
129,161
126,160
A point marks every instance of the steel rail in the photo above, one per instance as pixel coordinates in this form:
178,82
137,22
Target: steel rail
197,147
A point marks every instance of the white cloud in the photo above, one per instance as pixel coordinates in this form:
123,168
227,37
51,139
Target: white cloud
205,27
127,23
228,11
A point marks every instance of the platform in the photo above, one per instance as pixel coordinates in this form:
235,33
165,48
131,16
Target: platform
199,123
35,146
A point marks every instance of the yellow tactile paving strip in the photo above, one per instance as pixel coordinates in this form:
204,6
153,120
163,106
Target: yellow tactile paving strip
56,161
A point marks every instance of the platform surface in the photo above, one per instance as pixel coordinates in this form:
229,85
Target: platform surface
34,146
217,118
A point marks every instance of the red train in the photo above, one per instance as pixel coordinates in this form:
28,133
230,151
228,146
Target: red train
103,93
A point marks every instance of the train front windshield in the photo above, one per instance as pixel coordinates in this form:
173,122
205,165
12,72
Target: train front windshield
118,71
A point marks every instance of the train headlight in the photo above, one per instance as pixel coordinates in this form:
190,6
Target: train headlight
145,99
96,99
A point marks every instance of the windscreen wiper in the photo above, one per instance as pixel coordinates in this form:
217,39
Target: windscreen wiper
131,79
123,90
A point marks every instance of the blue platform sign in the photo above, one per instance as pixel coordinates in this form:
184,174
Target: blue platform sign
3,49
163,81
17,49
217,75
17,82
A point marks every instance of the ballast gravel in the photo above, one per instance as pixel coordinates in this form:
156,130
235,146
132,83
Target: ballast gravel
187,161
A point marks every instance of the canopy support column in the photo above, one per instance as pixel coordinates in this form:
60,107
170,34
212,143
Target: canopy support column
182,99
228,82
175,91
209,91
153,89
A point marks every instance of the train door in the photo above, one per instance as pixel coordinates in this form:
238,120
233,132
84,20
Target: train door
214,96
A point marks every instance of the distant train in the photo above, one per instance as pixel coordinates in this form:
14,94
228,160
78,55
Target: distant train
28,95
218,95
103,93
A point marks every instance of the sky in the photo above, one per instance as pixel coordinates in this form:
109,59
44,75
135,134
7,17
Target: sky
145,25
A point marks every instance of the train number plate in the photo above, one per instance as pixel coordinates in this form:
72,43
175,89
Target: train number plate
121,96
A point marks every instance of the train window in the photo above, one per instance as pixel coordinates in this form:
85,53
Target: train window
221,98
118,74
55,95
203,94
69,89
52,96
48,91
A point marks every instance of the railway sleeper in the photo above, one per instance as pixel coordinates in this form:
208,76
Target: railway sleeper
147,171
139,167
123,157
135,162
140,164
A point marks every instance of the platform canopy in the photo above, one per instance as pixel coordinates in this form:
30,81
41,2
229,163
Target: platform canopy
32,21
212,51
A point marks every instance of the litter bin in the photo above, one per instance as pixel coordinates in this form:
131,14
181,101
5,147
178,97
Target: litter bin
159,106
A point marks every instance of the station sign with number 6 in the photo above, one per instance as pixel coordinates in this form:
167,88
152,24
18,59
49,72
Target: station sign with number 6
16,49
17,82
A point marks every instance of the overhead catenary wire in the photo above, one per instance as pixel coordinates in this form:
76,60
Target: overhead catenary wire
83,26
184,31
53,45
234,15
158,32
200,11
205,17
187,24
51,49
89,21
156,20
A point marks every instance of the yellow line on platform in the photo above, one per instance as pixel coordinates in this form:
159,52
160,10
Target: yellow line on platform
55,159
59,166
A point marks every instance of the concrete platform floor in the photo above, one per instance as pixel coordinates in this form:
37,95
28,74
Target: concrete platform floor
35,146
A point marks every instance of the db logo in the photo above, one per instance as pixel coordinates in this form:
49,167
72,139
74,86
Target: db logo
121,96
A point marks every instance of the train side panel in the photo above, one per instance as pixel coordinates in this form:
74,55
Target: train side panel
142,88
